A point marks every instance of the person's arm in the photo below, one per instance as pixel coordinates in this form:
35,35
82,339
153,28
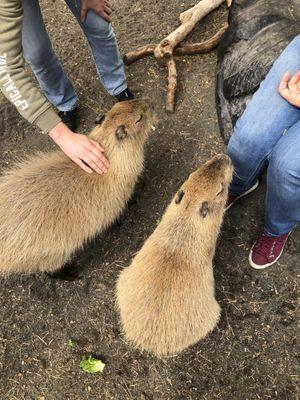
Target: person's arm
16,84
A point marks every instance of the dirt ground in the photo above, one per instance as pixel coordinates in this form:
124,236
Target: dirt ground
251,354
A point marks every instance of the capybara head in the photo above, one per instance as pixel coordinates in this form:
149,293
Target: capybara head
128,121
205,192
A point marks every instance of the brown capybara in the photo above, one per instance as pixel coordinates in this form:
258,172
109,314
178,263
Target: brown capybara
49,207
166,297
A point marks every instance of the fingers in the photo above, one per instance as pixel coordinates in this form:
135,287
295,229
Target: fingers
83,13
97,150
82,165
94,157
104,15
292,84
87,159
97,145
95,162
100,157
284,81
295,78
108,10
283,89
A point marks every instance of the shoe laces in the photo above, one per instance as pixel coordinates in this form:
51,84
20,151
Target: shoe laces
266,244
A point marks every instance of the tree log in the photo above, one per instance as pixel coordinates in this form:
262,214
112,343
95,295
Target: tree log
183,50
188,20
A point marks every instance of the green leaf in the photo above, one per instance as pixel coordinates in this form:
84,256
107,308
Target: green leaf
91,365
70,343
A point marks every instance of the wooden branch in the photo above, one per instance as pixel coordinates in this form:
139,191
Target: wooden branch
169,47
229,2
189,19
139,53
172,85
183,50
203,47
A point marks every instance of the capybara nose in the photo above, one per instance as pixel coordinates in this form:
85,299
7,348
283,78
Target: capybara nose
222,159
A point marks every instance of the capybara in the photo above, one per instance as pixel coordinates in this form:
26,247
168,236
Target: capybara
166,297
49,207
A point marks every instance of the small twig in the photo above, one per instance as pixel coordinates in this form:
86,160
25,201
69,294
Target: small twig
204,358
172,85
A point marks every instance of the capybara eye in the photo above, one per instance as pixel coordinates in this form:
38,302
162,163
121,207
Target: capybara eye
221,190
140,118
121,132
100,119
179,197
204,209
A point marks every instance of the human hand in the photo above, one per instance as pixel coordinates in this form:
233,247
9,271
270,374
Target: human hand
85,152
289,88
100,7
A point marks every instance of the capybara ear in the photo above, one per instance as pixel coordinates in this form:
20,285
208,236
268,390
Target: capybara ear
121,132
204,209
179,196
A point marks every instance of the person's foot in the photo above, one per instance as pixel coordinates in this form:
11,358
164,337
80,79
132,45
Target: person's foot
232,198
267,250
125,95
69,118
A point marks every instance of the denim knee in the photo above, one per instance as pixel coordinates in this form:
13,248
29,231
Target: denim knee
284,169
38,55
239,146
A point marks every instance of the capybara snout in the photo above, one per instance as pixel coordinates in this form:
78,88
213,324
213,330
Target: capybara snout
219,169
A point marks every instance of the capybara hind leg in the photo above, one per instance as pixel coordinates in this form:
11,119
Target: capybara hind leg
70,271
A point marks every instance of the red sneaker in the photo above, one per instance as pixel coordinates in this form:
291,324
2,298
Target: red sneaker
232,198
267,250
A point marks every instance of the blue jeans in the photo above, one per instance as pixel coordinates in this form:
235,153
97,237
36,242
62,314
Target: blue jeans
267,135
39,54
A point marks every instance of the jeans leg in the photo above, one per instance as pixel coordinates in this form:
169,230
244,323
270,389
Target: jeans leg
102,41
283,184
266,118
39,54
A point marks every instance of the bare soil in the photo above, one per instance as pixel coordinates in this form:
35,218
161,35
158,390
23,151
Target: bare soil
252,353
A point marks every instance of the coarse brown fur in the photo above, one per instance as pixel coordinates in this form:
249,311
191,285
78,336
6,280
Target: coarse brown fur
166,297
49,207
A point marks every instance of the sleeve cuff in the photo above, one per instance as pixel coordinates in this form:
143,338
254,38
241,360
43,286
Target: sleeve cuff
47,120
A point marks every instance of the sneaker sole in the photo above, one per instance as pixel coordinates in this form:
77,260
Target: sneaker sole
255,266
243,195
